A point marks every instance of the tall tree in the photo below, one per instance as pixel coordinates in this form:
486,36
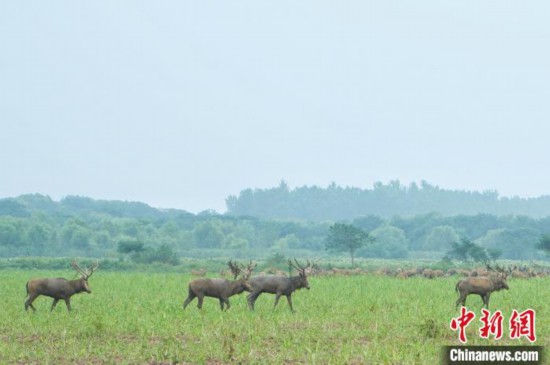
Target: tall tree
346,238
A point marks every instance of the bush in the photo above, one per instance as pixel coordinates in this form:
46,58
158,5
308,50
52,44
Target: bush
163,255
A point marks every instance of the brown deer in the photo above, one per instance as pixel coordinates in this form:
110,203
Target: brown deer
200,273
220,288
59,288
279,285
482,285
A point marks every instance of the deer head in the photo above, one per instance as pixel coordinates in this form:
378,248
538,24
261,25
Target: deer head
239,269
302,270
249,269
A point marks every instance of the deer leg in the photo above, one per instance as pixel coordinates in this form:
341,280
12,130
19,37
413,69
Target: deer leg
68,303
486,300
289,299
461,299
227,304
277,296
251,298
221,303
200,299
189,299
29,301
54,303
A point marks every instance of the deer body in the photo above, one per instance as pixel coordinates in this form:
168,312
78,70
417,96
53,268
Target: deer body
482,286
58,288
221,289
278,285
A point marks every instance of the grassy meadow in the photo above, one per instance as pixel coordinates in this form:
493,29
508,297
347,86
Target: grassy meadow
137,318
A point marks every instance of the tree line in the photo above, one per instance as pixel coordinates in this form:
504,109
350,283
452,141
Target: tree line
35,225
385,200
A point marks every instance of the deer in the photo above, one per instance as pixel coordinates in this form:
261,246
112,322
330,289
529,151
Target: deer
279,285
201,272
59,288
220,288
483,285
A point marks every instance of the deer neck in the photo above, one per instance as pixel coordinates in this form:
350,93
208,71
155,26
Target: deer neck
236,287
77,285
295,280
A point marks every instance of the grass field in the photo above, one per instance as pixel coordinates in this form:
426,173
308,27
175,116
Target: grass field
137,318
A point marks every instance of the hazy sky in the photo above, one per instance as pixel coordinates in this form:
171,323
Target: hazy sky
179,104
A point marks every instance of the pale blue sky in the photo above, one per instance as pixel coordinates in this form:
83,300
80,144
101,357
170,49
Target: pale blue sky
179,104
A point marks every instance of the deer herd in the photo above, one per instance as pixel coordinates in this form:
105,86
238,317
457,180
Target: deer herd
221,289
481,282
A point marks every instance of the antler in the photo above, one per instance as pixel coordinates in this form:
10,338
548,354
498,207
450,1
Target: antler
235,269
249,269
85,273
509,270
77,268
94,266
297,266
500,269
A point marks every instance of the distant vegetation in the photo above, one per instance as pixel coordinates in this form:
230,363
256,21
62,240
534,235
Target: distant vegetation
412,222
385,200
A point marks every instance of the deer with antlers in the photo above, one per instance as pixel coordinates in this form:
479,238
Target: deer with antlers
220,288
59,288
483,285
279,285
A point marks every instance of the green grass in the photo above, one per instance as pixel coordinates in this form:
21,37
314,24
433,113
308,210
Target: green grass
137,318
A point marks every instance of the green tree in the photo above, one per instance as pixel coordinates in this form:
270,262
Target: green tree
39,237
235,242
11,232
514,243
165,255
389,242
129,246
544,243
440,238
208,235
467,250
76,235
346,238
368,223
288,241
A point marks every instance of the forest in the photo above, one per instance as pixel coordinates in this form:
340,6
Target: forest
335,203
402,223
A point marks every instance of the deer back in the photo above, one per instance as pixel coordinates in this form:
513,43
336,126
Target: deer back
272,284
58,288
481,284
217,288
